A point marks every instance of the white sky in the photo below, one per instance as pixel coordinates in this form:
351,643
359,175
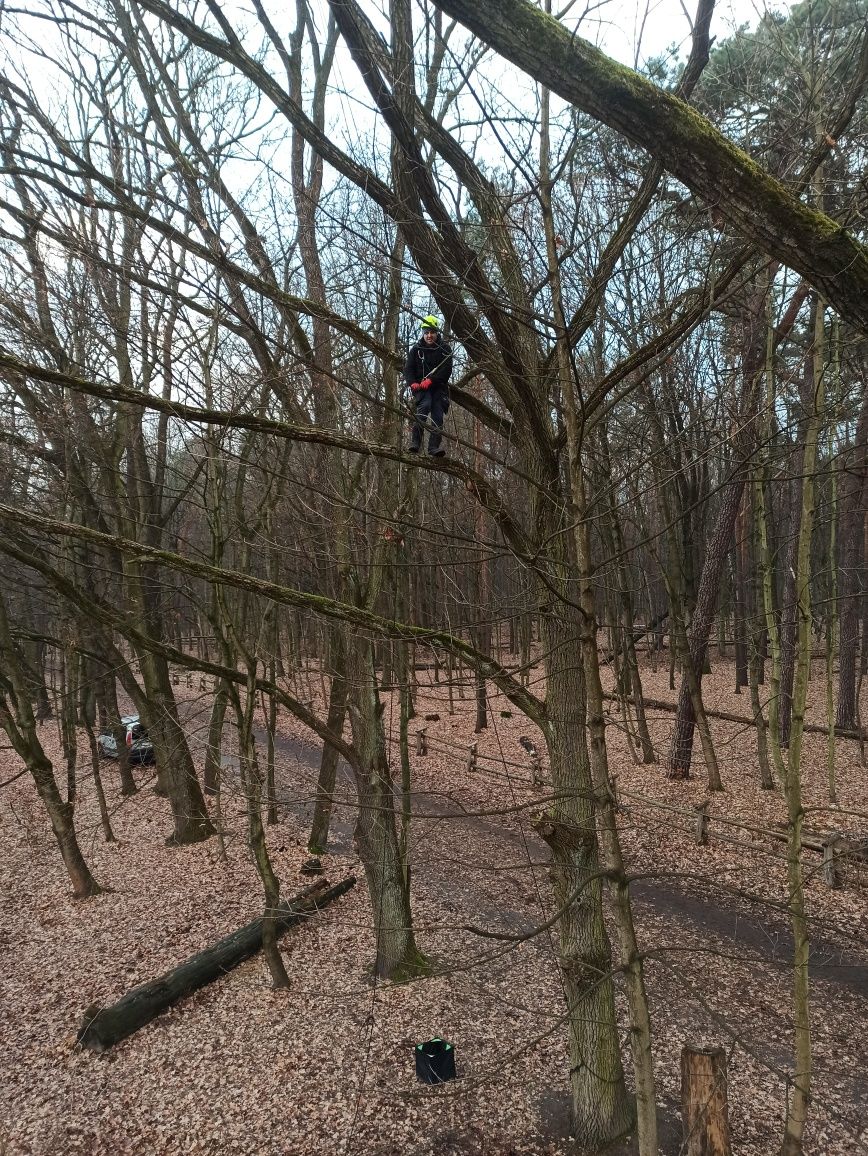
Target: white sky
619,26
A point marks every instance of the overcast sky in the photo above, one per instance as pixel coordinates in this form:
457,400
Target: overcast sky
618,26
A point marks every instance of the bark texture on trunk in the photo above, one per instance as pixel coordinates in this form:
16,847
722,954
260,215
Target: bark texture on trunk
189,812
602,1109
704,1102
211,774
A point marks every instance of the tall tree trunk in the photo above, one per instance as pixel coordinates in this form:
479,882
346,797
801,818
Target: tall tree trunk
325,785
213,748
396,954
753,356
601,1106
189,812
797,1107
853,589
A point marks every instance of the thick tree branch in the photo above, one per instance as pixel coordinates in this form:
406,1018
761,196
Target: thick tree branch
756,204
286,596
482,489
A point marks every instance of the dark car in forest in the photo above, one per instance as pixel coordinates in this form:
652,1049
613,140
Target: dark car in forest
140,747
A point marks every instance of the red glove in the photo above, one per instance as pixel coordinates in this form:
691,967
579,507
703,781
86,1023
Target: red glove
425,383
415,386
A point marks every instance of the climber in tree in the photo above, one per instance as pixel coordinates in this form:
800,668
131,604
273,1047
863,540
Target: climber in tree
427,373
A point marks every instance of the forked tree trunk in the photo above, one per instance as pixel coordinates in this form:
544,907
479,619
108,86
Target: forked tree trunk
189,812
19,722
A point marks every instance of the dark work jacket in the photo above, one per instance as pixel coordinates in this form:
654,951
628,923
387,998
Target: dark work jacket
434,361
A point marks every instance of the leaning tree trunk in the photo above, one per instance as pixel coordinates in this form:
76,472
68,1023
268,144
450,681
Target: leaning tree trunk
60,813
18,721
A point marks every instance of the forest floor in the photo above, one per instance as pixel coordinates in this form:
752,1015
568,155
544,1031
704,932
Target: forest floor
327,1067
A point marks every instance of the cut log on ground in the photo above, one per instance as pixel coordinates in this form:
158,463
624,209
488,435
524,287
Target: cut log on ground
105,1026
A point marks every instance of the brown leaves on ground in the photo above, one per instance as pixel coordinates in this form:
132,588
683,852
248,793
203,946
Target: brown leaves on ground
328,1066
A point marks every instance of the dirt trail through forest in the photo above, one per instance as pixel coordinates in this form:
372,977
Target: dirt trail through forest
718,962
763,935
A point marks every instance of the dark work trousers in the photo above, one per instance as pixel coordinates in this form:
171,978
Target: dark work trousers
429,408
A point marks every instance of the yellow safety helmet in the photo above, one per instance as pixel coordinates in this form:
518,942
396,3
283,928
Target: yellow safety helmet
430,322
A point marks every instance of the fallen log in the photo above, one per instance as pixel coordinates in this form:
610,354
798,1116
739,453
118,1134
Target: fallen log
103,1027
728,716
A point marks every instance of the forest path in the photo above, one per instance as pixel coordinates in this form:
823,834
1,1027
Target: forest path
718,965
492,872
764,936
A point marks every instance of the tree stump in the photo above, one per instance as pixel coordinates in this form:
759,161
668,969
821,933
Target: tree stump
704,1105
